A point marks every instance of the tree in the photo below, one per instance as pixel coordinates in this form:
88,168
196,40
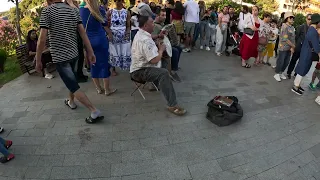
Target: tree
17,20
300,4
267,5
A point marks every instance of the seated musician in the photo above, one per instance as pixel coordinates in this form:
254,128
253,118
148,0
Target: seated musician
146,63
32,40
176,50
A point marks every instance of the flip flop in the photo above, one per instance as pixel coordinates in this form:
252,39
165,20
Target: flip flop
177,111
66,102
111,92
9,144
246,66
6,159
90,120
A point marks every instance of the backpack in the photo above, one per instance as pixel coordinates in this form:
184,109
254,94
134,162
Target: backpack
222,115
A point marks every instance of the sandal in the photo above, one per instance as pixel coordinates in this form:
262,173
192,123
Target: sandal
9,144
90,120
66,102
246,65
99,90
5,159
110,92
177,111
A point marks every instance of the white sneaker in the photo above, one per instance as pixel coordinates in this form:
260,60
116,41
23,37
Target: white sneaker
207,48
283,76
317,100
219,54
277,77
49,76
201,47
186,50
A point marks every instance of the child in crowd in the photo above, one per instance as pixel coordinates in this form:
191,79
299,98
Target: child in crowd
316,74
4,146
272,42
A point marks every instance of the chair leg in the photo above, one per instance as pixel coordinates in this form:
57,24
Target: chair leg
138,88
141,94
155,86
27,69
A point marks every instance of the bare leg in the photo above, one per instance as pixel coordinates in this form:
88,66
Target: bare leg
313,77
81,96
71,98
96,83
106,83
187,42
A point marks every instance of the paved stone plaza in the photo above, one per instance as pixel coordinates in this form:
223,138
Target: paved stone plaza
278,137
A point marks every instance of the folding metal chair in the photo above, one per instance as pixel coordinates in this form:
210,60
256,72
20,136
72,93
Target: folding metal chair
143,84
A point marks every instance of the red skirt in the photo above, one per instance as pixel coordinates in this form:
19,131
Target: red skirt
249,47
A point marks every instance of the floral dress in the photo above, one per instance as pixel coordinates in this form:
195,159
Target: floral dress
119,47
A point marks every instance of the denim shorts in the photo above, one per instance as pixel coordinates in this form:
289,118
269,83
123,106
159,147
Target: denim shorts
67,72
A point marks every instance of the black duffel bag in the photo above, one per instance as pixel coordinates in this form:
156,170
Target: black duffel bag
222,115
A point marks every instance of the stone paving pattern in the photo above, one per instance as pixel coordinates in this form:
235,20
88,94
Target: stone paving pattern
278,137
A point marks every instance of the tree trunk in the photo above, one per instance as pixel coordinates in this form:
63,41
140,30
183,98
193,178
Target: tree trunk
18,22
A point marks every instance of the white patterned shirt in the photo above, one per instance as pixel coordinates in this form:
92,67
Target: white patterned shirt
143,50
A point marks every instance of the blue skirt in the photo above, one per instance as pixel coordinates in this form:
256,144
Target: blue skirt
100,45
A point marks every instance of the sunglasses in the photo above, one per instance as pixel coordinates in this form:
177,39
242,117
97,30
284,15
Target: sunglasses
309,19
291,17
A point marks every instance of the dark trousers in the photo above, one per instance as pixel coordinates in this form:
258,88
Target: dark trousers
282,61
276,46
293,62
161,78
176,52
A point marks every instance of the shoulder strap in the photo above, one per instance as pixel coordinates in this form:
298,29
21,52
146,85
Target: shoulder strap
87,22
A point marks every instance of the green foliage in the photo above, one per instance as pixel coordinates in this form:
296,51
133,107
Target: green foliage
12,70
299,20
3,55
8,36
219,4
267,5
3,58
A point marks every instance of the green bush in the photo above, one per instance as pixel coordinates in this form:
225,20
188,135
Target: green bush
299,20
3,58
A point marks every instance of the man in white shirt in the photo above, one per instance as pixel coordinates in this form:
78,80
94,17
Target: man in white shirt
191,18
145,65
242,16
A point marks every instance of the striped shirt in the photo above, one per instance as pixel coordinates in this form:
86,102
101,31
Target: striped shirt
62,21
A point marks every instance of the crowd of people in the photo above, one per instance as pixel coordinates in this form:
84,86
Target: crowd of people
148,39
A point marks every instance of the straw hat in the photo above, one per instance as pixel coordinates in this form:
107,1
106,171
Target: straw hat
288,14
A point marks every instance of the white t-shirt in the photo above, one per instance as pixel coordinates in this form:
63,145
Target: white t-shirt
135,24
192,11
143,50
242,17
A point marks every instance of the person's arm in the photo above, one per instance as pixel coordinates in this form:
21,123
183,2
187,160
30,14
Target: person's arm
106,24
41,44
299,33
128,22
220,21
86,43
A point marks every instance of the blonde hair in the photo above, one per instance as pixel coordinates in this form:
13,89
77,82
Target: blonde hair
94,7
